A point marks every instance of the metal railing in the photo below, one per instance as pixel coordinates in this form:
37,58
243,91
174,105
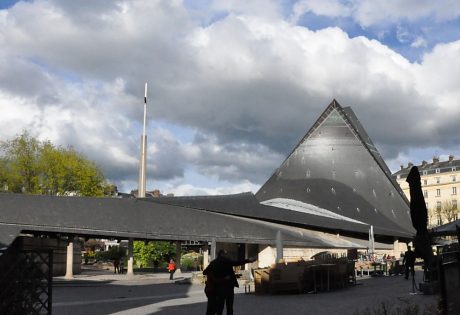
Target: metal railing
449,280
26,278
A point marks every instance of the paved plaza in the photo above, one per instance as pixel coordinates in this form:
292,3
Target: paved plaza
101,292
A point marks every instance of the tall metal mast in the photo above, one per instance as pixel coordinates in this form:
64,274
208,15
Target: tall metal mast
142,164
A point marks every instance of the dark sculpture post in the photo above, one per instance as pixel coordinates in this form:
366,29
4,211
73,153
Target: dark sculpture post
419,217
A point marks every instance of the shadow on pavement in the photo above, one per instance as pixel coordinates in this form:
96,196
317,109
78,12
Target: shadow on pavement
104,297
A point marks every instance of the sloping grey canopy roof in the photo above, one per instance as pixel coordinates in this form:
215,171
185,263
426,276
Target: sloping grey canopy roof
247,205
139,219
446,229
337,168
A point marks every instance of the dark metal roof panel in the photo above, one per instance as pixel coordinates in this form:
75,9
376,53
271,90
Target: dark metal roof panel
337,168
246,205
446,229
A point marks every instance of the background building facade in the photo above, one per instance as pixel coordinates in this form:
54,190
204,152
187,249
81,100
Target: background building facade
440,181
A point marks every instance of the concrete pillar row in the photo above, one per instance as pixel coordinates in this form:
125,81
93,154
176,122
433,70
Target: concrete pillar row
178,256
213,249
279,246
396,252
130,271
246,256
69,261
205,255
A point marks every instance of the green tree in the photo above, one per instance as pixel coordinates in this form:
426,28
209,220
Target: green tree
20,162
153,253
114,253
35,167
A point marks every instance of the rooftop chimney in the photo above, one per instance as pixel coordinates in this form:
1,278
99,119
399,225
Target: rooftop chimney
402,167
409,165
424,163
435,159
451,157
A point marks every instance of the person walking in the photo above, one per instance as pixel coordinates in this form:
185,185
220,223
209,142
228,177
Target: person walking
171,269
121,266
116,263
408,262
222,281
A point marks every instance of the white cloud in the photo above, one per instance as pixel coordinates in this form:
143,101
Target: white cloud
267,9
192,190
402,34
368,12
247,86
330,8
419,42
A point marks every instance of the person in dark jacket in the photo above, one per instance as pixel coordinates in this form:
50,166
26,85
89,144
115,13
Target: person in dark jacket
409,261
221,281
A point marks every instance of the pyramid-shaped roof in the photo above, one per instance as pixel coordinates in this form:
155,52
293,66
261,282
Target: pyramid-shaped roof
336,171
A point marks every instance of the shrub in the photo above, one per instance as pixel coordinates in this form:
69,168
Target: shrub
191,261
113,253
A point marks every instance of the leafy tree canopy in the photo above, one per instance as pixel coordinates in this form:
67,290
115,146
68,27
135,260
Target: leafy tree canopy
28,165
114,253
152,253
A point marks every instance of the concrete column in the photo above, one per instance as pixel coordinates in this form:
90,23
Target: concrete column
69,262
246,256
178,256
279,246
205,255
130,271
396,252
213,249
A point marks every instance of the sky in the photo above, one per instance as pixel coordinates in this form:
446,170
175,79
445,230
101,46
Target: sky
232,85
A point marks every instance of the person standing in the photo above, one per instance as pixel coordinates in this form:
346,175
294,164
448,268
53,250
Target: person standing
408,262
116,264
222,281
171,269
121,266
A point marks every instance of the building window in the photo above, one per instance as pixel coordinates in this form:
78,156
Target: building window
454,204
455,216
438,192
439,220
454,190
454,178
425,172
437,171
438,206
425,193
438,180
425,182
454,169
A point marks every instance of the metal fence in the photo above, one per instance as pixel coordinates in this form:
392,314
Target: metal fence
449,280
25,280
